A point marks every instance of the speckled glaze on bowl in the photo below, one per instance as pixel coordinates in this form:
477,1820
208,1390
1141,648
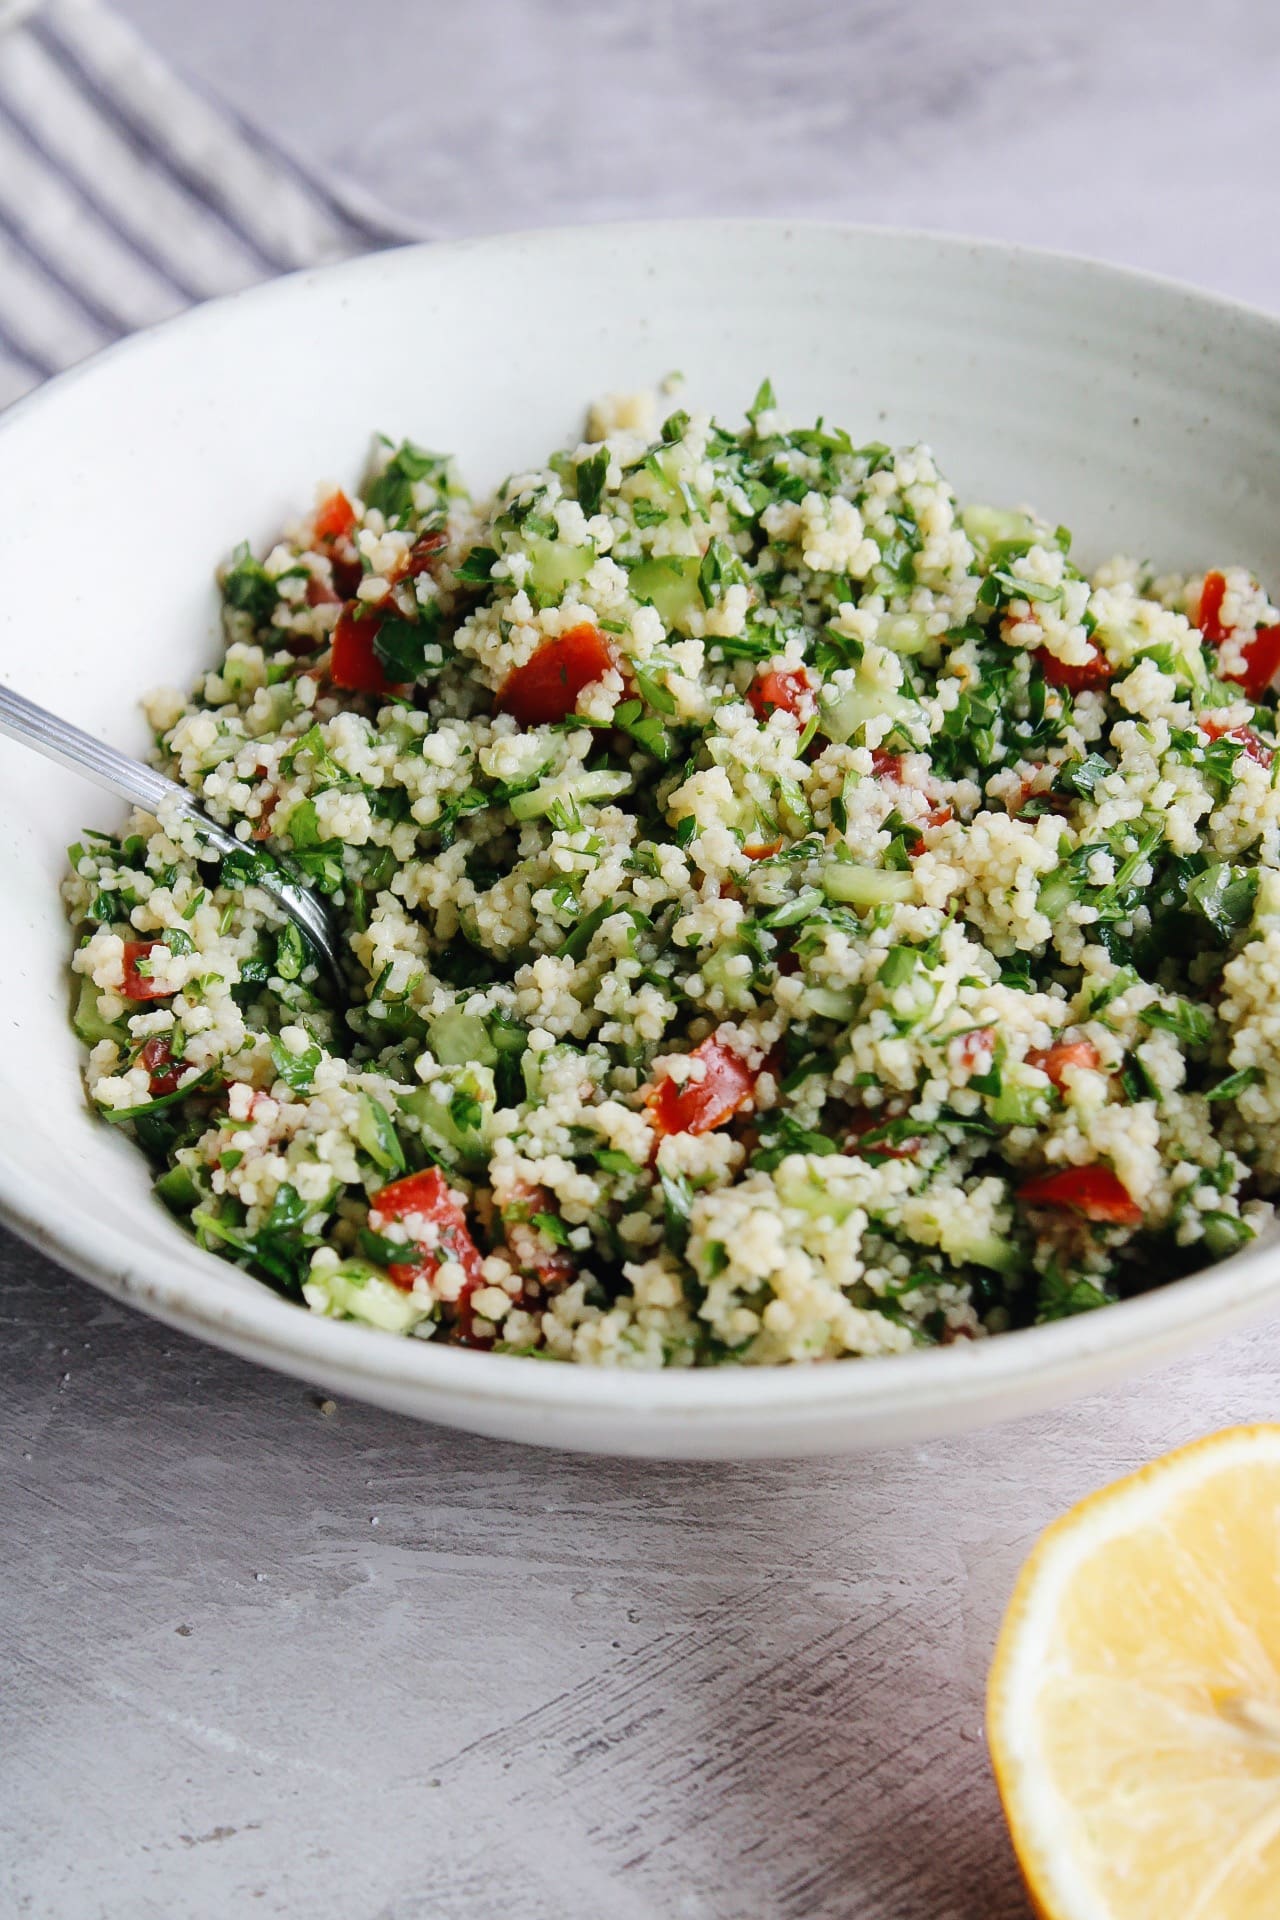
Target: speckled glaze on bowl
1144,415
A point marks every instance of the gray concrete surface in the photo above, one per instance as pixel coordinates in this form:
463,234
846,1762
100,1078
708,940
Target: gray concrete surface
260,1659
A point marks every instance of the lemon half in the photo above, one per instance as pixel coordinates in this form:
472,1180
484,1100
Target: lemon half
1133,1709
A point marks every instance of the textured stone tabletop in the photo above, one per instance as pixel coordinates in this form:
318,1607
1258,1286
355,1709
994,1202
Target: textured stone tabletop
262,1657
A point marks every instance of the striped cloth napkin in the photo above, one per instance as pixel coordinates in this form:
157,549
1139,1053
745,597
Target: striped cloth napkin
126,194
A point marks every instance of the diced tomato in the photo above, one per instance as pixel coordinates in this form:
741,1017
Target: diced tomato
163,1071
1065,1053
1261,654
1094,672
422,555
783,693
726,1087
335,517
137,986
320,594
1209,618
886,765
764,851
1096,1192
546,688
1261,662
269,805
529,1247
975,1051
426,1196
865,1123
354,664
347,570
1253,746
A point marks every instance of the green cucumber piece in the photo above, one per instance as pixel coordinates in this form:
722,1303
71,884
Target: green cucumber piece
842,713
357,1291
89,1023
868,886
671,585
376,1134
553,566
460,1039
989,527
570,789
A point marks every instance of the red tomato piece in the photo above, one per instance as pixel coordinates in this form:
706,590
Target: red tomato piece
422,555
782,692
1209,618
1261,662
546,688
1063,1054
426,1196
163,1071
1253,746
886,765
319,594
354,664
1096,1192
764,851
1261,654
866,1123
726,1087
1094,672
335,517
138,986
529,1247
347,570
975,1051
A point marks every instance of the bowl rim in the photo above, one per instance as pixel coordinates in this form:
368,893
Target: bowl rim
191,1289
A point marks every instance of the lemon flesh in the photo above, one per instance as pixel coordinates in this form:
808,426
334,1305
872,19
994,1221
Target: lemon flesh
1134,1702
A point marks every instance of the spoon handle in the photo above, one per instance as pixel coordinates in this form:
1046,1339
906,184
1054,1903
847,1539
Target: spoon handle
21,719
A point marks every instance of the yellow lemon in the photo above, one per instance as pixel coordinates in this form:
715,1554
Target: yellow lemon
1133,1708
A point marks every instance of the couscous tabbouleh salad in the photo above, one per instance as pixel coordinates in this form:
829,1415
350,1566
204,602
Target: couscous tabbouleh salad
789,915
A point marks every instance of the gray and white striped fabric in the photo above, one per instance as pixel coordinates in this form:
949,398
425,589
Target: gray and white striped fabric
126,195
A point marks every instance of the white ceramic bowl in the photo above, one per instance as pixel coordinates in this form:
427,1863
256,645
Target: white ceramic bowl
1144,415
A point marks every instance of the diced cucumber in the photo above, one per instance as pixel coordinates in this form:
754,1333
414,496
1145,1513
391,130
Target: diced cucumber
794,809
974,1249
553,566
868,886
1124,640
671,584
89,1023
243,672
969,1245
455,1116
843,712
904,632
1225,1234
1056,892
534,1065
376,1134
357,1291
989,527
833,1003
268,716
800,1183
569,789
1020,1102
460,1039
177,1188
735,987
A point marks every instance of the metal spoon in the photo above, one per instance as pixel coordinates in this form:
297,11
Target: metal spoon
56,739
